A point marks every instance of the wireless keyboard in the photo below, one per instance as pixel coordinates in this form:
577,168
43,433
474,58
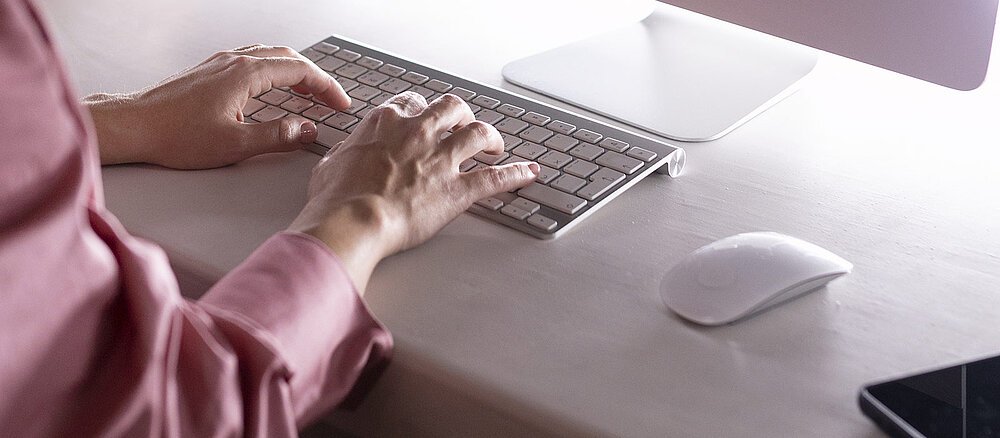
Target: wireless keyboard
584,163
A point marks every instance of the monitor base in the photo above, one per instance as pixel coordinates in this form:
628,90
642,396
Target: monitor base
677,74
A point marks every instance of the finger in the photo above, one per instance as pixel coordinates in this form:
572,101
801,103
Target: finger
408,103
473,137
285,134
447,112
489,181
299,73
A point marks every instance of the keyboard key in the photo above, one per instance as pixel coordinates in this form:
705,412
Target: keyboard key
555,159
381,98
489,116
515,212
595,189
439,86
275,96
341,121
425,92
312,55
373,78
542,223
392,70
252,106
546,174
588,136
414,78
536,134
364,111
490,159
490,203
296,104
587,151
641,154
509,141
330,63
364,92
561,127
619,162
552,198
612,144
347,84
326,48
356,105
514,159
328,136
568,183
608,175
510,110
581,168
535,118
394,86
351,71
561,143
466,95
529,150
370,62
317,113
467,165
347,55
511,126
525,204
486,102
269,113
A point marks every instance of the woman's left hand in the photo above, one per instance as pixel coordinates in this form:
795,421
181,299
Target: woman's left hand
194,119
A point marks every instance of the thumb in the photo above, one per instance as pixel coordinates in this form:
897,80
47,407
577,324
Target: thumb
284,134
495,179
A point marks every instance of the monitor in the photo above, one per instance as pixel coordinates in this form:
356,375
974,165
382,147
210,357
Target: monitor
695,70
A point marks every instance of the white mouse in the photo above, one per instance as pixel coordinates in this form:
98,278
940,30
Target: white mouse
741,275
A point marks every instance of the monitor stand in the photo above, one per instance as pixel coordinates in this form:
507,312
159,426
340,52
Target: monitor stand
676,73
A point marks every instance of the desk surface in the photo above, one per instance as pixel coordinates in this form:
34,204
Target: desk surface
502,334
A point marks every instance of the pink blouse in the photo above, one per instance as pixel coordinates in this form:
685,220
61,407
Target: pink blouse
95,338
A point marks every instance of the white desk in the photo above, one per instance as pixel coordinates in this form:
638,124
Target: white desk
501,334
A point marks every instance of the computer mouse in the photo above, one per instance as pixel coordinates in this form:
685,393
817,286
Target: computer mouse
741,275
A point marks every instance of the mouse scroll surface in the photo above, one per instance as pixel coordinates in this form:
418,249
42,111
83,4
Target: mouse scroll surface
740,275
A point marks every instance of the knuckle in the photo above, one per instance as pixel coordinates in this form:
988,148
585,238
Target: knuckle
482,129
287,51
451,99
241,61
286,131
496,178
383,111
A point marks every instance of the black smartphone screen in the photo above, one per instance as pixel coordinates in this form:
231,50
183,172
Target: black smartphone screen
954,402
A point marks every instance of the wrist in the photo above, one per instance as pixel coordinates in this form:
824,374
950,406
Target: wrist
357,230
113,117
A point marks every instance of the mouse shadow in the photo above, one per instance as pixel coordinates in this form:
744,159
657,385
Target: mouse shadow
800,329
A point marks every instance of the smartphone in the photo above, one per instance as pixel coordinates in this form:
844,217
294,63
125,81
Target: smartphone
960,401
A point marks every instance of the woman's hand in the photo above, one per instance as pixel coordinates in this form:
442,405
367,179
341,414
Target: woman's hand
194,119
394,183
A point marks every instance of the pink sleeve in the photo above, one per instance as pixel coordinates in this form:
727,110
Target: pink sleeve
95,338
294,293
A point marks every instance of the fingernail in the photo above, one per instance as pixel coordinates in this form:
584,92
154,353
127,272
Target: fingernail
534,168
307,132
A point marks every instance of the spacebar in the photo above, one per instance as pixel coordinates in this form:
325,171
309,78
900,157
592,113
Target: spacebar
328,136
553,198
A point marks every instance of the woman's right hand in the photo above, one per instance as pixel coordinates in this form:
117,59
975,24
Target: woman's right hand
393,183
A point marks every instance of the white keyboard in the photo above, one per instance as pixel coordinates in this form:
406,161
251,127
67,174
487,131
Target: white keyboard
584,163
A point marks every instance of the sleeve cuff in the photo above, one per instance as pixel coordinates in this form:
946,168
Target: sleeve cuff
296,290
